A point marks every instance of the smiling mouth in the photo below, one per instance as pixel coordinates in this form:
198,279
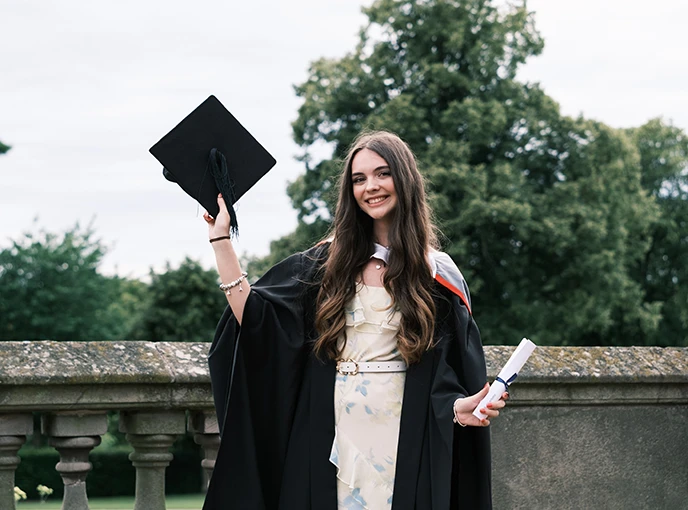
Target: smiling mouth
376,200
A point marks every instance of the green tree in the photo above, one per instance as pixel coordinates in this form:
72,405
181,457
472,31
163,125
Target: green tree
4,148
547,216
184,305
50,288
126,309
663,271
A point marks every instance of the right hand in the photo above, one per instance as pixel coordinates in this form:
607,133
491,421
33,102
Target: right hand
464,407
219,226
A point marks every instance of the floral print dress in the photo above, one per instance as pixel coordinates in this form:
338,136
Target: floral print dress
368,405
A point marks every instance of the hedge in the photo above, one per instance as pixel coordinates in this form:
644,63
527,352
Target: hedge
112,473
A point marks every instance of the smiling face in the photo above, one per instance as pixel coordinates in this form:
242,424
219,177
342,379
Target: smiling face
373,186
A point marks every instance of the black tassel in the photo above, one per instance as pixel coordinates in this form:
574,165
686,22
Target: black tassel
218,168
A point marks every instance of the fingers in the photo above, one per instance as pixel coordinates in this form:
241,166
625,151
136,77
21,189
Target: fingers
491,410
479,396
208,218
496,405
221,203
491,413
470,419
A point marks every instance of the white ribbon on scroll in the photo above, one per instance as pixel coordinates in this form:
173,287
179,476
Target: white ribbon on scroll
506,375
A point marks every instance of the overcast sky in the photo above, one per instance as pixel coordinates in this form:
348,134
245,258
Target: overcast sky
86,87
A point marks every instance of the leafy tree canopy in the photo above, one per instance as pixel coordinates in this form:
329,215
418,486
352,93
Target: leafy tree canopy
184,305
663,270
4,148
550,218
50,289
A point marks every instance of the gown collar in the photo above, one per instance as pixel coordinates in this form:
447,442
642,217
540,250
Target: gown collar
382,253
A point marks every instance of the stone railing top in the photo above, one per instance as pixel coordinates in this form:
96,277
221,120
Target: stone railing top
49,362
596,364
99,363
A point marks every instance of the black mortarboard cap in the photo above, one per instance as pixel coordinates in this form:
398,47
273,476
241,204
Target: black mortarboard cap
210,152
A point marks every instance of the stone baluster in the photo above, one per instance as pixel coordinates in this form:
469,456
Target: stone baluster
13,431
207,435
151,433
74,434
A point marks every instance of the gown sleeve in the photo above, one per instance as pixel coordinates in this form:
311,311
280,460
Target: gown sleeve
272,325
459,357
256,371
471,459
460,371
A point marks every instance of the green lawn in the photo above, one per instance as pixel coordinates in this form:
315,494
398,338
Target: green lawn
186,502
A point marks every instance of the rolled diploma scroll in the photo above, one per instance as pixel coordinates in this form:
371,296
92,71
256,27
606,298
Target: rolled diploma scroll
512,367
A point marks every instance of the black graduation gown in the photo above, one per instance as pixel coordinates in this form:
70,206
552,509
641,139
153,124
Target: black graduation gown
275,406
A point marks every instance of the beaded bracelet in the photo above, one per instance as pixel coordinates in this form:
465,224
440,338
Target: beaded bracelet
227,287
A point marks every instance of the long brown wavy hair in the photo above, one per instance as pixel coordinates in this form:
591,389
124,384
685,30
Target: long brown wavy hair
408,278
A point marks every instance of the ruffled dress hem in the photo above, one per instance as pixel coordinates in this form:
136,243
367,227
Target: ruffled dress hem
359,474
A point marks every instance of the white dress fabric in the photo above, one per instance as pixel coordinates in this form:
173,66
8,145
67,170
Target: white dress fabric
368,405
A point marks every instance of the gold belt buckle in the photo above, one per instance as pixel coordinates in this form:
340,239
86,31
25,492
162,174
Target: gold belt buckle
344,372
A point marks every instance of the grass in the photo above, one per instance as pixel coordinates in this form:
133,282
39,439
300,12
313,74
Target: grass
184,502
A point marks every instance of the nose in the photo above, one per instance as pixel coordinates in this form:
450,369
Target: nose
372,184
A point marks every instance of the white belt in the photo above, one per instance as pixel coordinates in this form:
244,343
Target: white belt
351,367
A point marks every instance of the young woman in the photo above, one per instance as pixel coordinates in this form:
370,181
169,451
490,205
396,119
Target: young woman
346,377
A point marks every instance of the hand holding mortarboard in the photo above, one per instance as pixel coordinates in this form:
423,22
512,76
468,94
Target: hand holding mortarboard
210,152
220,225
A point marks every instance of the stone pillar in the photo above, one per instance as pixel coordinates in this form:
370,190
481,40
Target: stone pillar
151,433
74,434
13,431
206,434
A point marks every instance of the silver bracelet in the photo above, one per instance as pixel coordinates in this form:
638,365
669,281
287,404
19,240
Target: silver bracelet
227,287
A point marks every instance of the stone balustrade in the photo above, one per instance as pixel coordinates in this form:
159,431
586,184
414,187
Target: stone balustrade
586,428
161,390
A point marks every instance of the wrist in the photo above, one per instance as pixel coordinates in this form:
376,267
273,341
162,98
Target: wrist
223,247
218,238
456,413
